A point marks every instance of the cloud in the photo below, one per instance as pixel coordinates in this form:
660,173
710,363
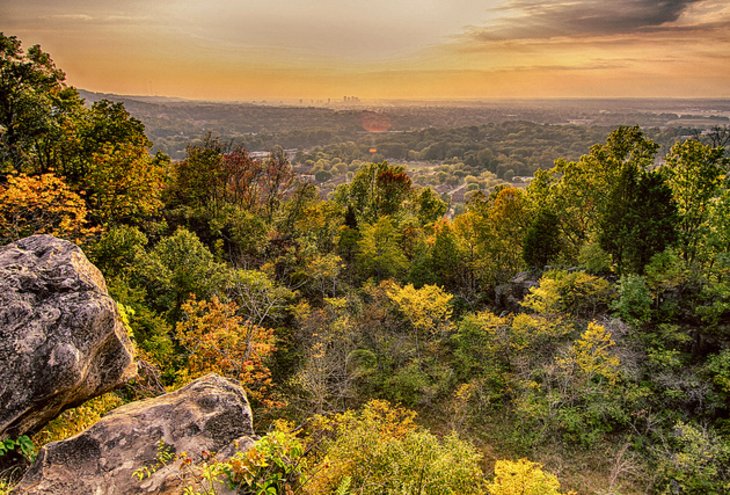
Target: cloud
69,17
535,19
126,19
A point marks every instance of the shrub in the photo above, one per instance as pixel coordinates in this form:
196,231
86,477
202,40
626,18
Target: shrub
523,477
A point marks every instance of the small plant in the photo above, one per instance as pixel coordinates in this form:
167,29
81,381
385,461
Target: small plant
22,445
76,420
165,455
5,488
272,466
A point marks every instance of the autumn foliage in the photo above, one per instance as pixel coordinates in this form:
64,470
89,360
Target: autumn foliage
41,204
216,339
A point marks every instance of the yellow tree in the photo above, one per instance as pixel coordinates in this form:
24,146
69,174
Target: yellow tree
381,449
217,340
523,477
124,183
508,223
592,353
42,204
428,309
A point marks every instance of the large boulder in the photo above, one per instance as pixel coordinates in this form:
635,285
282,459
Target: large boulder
210,414
61,338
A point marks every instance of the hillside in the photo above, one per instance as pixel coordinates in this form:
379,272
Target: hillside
565,334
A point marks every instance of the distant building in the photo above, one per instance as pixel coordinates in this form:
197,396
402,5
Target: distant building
262,155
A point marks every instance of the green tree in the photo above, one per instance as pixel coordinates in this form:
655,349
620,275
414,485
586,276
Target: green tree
694,462
634,302
694,172
542,240
591,196
639,219
379,251
34,101
430,206
180,265
378,189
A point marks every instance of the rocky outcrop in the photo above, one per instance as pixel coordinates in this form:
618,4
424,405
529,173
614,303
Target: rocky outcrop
206,415
61,338
508,296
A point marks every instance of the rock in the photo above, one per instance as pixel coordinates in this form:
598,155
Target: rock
509,295
61,338
206,415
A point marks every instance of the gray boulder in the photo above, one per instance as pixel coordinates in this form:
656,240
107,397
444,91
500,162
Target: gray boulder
210,414
508,296
61,338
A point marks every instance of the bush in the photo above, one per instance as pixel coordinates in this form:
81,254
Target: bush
698,462
381,450
634,302
578,293
523,477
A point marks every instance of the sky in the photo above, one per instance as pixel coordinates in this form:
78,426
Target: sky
248,50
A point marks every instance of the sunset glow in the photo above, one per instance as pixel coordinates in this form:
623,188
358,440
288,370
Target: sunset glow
431,49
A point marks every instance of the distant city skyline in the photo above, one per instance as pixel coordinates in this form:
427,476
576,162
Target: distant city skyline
428,49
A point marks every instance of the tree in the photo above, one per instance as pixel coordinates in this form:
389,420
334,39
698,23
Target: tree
523,477
445,262
591,353
180,265
430,206
639,220
199,179
42,204
379,251
428,309
105,154
634,301
34,101
591,196
123,185
694,461
470,234
101,152
332,364
542,240
694,173
508,220
381,450
577,292
378,189
278,179
261,300
218,340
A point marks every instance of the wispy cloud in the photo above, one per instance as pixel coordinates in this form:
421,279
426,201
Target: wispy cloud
125,19
68,17
96,19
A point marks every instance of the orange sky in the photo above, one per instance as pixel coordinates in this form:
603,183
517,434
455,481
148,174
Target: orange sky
288,49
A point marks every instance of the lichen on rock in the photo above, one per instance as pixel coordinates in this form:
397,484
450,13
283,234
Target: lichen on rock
62,341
